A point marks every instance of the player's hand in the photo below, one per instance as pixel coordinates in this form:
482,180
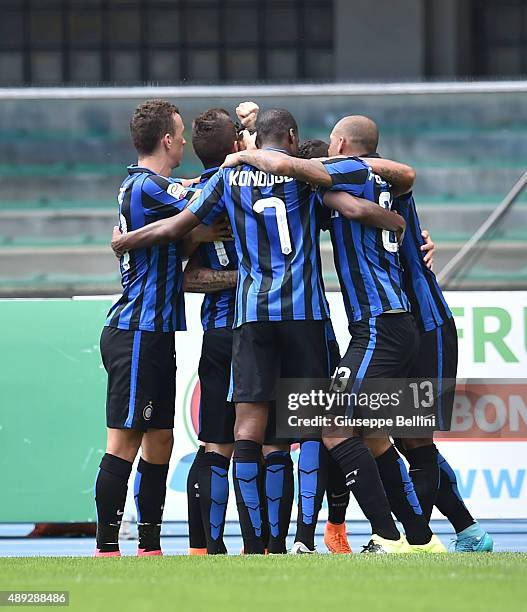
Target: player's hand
428,249
232,160
190,182
116,240
247,142
247,113
218,231
399,234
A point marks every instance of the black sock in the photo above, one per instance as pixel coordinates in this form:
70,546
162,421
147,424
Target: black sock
196,531
424,471
213,481
363,480
337,493
312,479
449,501
279,491
150,488
246,476
402,497
110,496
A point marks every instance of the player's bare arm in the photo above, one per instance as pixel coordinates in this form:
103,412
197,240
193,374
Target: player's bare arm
159,232
306,170
400,176
218,231
365,212
198,279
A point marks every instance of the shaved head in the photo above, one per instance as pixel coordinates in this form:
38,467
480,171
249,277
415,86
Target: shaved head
356,134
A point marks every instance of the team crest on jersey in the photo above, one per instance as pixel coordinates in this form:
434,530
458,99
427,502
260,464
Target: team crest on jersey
177,190
147,411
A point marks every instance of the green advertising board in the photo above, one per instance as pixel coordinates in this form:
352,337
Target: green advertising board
53,385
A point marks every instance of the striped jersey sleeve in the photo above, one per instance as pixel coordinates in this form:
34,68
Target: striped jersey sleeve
210,204
429,306
348,174
164,197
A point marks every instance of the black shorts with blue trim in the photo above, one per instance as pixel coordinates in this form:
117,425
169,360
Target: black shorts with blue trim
437,361
265,351
216,413
141,369
380,347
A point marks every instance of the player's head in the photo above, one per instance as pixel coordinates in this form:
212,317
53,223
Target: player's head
354,135
313,148
277,128
214,137
157,129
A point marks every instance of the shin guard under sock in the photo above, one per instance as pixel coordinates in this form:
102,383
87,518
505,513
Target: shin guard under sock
312,479
214,495
279,491
246,475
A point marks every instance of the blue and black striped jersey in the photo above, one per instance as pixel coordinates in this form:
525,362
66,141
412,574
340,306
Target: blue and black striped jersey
429,307
152,278
366,258
217,309
274,225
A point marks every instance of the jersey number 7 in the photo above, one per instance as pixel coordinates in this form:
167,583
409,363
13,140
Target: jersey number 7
281,220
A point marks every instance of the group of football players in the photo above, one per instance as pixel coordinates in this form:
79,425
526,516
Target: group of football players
250,227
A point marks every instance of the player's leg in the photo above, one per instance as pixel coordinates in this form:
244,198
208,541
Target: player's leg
150,488
121,354
351,453
401,494
157,396
396,346
435,480
249,433
338,497
279,492
255,361
337,494
217,431
111,486
305,355
196,531
278,486
312,480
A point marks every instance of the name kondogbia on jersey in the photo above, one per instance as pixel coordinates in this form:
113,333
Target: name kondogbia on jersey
152,278
276,237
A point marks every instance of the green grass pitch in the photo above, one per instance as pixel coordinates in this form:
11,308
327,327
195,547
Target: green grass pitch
300,583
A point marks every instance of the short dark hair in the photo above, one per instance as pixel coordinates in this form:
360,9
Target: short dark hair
150,122
274,125
313,148
213,134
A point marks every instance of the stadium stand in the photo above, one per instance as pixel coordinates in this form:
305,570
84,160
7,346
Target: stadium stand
66,162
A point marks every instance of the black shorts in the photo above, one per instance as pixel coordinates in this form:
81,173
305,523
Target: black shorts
141,369
216,414
381,347
270,433
437,361
265,351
